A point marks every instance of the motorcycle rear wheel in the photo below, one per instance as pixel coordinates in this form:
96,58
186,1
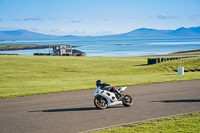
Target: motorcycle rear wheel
127,101
100,102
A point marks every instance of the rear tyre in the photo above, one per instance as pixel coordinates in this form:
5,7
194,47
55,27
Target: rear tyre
100,102
127,101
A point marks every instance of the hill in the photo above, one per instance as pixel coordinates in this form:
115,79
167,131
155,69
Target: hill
186,32
25,35
144,32
135,34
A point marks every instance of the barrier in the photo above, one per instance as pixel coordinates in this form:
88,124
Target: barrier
159,60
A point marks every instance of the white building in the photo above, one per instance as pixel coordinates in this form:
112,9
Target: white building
62,50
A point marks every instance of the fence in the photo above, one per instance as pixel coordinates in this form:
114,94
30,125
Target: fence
159,60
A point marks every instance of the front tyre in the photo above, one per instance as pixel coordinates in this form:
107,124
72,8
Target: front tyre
127,101
100,102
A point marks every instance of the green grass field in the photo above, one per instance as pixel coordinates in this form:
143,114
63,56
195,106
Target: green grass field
189,53
179,124
31,75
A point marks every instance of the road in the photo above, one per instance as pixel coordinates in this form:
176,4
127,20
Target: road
75,112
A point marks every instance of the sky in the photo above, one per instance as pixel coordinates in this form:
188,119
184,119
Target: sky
97,17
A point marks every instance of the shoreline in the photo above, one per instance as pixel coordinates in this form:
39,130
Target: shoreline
14,47
11,47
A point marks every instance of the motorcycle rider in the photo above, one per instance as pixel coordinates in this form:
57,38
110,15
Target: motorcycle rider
108,87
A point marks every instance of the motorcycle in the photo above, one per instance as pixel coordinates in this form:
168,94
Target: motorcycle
104,98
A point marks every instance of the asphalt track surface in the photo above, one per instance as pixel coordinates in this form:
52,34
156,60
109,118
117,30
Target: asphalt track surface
75,112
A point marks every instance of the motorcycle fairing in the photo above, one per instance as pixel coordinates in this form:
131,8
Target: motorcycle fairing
122,89
110,97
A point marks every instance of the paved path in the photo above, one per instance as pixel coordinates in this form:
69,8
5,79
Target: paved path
74,111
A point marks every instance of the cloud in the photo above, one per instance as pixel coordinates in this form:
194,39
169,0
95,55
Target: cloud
195,16
33,19
16,19
149,17
51,18
75,21
8,28
29,19
166,17
89,33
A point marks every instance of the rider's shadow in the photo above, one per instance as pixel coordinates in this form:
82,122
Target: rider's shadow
67,109
73,109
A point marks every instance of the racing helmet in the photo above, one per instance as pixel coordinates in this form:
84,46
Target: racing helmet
98,83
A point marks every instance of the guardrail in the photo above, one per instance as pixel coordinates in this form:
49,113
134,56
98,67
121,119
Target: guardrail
159,60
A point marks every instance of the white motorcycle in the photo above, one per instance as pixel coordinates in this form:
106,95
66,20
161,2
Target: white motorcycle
104,98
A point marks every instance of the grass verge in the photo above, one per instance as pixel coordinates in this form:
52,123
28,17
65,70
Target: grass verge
184,124
31,75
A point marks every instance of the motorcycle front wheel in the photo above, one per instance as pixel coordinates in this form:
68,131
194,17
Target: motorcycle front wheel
127,101
100,102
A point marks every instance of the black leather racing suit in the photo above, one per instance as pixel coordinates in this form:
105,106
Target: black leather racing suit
108,87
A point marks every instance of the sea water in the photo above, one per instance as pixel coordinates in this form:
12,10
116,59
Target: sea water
116,48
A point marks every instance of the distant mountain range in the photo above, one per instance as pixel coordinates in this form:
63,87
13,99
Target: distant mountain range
143,33
24,35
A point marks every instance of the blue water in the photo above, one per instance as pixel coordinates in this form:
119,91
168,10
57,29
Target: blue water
117,48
